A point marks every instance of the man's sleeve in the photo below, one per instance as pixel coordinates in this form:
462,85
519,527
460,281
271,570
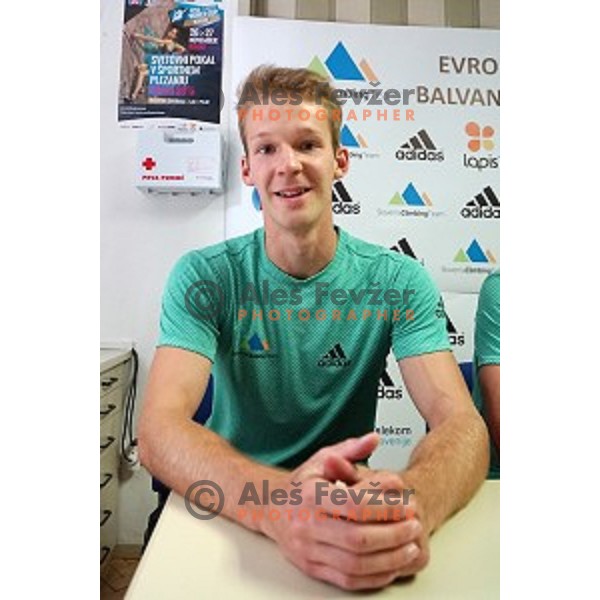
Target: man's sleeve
487,323
191,304
425,331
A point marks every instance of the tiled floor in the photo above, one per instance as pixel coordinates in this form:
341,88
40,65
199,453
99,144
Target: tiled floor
115,578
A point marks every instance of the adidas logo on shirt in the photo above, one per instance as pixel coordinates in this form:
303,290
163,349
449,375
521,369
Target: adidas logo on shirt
336,357
420,147
387,390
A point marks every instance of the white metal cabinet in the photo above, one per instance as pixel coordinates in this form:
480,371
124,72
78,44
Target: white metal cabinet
115,368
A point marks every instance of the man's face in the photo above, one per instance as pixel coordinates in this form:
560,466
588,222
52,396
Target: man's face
291,162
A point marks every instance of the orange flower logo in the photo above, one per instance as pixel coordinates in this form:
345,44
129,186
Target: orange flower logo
480,136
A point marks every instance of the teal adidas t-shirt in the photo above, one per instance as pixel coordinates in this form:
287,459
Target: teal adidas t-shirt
487,348
297,361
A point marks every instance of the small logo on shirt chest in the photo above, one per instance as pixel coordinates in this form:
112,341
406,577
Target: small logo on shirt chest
336,357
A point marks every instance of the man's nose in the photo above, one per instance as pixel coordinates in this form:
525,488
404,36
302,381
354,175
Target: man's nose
288,161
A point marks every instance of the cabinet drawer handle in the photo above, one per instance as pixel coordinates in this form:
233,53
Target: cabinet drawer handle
106,516
104,552
109,440
109,408
108,382
107,478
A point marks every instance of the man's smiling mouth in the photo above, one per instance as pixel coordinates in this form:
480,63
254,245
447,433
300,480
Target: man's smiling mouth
292,192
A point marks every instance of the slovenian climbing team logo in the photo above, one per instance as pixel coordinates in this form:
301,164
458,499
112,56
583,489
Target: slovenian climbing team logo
412,202
339,65
255,346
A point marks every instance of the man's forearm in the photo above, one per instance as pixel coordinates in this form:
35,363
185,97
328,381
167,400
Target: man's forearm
448,466
180,453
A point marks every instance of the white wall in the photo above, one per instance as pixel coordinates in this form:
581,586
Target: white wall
141,237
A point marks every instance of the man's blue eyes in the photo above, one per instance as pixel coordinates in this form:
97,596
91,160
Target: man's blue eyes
303,147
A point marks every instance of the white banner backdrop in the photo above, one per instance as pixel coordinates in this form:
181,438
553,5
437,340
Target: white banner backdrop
424,175
398,422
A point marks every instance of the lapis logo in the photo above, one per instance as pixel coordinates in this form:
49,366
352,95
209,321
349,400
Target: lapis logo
474,254
339,65
480,139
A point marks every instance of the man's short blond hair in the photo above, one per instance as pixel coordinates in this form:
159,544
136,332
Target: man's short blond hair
265,81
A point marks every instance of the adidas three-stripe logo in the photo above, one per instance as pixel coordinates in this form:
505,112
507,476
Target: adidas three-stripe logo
336,357
455,338
419,147
419,141
403,247
386,389
342,201
484,205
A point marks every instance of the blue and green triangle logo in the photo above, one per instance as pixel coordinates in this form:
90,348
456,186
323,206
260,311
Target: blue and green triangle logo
410,197
348,139
254,344
340,65
474,254
316,66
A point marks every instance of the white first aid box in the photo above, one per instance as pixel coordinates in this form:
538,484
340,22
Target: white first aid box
170,160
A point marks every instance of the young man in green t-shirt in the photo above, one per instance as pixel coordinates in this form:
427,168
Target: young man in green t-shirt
296,320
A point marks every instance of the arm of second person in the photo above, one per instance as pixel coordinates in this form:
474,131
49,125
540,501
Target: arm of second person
489,382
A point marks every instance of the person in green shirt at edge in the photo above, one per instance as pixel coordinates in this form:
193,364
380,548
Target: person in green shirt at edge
296,392
486,364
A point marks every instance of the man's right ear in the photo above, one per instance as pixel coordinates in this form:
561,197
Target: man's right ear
245,171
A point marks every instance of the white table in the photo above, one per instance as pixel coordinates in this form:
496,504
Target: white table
192,558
